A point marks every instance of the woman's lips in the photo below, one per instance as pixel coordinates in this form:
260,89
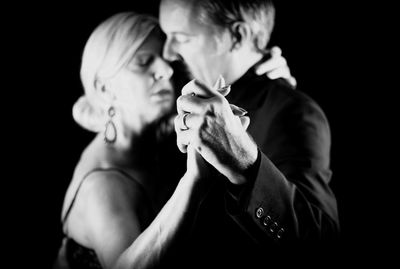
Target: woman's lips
163,94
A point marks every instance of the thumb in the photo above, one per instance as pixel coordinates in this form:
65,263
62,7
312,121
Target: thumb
245,120
221,87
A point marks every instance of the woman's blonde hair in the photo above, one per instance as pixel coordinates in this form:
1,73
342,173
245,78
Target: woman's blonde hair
109,48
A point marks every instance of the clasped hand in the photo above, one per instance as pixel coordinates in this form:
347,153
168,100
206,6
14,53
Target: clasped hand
209,126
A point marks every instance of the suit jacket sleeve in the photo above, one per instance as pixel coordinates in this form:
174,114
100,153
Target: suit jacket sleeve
288,195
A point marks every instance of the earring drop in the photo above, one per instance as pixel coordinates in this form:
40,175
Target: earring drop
110,132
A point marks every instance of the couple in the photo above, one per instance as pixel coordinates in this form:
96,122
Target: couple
135,202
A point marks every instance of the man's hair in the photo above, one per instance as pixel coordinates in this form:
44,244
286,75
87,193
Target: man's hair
258,14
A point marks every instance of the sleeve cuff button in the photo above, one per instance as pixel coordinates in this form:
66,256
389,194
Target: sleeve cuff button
267,220
280,233
259,212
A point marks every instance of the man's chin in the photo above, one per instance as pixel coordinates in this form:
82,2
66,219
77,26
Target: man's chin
182,72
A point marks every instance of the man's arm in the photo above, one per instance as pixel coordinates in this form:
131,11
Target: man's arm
288,195
291,192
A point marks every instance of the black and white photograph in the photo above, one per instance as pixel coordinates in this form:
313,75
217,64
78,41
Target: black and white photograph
191,134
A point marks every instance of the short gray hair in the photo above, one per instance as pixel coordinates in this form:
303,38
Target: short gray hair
258,14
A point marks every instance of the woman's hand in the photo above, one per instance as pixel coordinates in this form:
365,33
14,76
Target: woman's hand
197,167
203,131
276,67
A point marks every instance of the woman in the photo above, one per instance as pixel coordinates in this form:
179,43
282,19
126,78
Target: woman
122,208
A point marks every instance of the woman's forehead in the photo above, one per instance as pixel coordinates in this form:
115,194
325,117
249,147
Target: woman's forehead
153,42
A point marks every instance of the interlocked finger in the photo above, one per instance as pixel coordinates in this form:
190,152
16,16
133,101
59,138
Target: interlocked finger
195,87
189,103
186,121
183,137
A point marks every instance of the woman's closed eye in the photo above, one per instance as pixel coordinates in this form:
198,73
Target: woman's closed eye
143,60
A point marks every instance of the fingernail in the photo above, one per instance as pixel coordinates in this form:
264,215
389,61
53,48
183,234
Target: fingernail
238,111
225,90
220,82
244,111
239,114
226,87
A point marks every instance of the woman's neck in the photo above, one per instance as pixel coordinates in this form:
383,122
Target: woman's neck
136,144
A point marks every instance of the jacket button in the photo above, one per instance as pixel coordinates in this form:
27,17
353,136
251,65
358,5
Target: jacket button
273,227
259,212
280,233
267,220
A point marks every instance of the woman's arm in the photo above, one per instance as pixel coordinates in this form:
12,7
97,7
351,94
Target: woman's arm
111,210
115,211
174,221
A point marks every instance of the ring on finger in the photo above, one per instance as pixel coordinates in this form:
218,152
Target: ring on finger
184,122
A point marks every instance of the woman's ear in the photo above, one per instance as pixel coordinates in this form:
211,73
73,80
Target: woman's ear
241,33
104,92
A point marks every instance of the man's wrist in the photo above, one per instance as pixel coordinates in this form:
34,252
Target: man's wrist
250,174
247,161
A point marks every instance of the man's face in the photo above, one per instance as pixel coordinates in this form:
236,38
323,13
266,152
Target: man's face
205,52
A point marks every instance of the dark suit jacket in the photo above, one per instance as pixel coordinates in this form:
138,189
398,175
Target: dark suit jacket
288,199
289,196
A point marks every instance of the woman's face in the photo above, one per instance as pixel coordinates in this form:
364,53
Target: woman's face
143,88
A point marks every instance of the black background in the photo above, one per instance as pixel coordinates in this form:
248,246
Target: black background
320,41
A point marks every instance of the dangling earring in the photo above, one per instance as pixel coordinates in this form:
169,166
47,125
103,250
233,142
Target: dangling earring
110,132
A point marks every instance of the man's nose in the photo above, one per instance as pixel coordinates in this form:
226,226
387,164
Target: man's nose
169,52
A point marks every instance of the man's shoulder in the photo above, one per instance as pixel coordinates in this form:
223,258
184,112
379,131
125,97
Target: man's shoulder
280,91
259,92
280,88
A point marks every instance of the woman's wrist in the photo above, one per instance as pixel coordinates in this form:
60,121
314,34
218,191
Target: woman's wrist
198,185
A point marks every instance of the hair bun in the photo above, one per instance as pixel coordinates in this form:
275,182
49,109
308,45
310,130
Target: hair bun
86,116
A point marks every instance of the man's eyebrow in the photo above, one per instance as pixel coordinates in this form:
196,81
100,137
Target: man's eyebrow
144,52
181,33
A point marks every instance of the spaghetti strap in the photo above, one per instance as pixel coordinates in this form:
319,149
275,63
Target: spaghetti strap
72,252
95,170
76,193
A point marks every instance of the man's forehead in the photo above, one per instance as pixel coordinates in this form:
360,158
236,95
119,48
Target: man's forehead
176,16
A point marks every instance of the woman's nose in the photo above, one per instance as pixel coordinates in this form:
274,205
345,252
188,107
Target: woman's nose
162,70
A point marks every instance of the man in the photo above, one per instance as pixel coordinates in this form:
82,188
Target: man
278,172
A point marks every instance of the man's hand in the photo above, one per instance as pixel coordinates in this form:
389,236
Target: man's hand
207,122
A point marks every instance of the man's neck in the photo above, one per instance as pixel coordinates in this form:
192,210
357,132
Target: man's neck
241,63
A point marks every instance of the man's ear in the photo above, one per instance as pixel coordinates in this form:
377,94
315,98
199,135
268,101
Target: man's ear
241,33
